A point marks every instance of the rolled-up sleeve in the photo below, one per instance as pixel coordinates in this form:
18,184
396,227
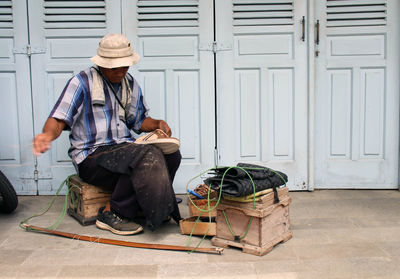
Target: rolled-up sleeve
69,103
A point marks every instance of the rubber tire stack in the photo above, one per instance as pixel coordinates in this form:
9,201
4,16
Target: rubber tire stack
8,196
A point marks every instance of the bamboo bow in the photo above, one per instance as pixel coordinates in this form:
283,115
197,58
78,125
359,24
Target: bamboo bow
124,243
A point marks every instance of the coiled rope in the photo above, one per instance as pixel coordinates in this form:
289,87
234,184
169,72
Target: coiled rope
42,211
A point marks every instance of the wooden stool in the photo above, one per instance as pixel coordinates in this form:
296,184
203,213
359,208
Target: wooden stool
269,226
85,200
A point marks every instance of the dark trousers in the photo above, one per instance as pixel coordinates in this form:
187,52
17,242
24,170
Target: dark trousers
127,189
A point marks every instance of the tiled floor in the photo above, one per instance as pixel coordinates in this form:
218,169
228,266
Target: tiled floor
336,234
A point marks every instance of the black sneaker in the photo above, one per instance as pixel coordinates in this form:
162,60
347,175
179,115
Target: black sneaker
116,224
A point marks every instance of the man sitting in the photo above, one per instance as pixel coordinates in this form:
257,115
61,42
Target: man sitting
99,106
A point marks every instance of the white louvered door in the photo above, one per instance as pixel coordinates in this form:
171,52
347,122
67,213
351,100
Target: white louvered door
16,159
262,85
261,63
64,35
176,72
357,94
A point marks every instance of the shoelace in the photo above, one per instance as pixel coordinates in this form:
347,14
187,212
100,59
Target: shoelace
118,218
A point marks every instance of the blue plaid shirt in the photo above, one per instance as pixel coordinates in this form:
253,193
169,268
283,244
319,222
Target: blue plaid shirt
91,125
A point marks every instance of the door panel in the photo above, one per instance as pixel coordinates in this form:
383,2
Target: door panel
356,95
262,86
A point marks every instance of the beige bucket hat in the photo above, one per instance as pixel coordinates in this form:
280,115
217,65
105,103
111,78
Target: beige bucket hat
115,51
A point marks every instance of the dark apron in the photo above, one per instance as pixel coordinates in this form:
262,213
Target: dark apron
139,178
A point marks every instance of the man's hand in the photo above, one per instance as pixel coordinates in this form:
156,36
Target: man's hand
41,143
164,126
149,124
51,130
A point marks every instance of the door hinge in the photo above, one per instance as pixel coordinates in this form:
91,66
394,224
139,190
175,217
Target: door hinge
29,50
215,46
36,175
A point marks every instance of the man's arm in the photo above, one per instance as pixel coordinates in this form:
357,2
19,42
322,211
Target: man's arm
51,130
149,124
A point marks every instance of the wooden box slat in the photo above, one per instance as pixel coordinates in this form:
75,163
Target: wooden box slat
85,200
202,228
203,205
87,191
263,202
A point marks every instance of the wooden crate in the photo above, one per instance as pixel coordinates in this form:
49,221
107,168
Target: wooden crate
202,227
85,200
203,205
269,225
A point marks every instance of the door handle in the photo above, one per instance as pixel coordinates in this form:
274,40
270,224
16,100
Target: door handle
303,29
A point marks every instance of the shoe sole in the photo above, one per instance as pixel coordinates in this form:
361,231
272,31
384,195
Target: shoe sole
167,146
104,226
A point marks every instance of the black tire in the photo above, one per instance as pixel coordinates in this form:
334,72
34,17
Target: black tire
8,196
